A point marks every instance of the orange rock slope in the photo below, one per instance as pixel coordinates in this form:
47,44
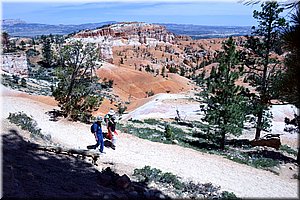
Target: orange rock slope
132,85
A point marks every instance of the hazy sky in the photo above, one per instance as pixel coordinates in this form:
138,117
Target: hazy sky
164,11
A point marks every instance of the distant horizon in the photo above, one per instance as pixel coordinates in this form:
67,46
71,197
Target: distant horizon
215,13
130,21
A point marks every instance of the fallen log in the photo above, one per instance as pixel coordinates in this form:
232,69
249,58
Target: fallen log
80,153
182,122
269,140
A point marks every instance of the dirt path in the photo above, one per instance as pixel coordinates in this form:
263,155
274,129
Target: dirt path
133,152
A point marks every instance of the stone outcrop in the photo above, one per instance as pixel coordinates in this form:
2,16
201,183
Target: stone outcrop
132,30
121,34
15,64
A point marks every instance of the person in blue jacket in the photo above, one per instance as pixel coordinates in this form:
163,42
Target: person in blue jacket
97,131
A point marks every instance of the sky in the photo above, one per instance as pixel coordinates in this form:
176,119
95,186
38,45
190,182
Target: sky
198,12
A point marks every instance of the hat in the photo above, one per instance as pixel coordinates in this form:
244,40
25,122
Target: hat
111,112
99,118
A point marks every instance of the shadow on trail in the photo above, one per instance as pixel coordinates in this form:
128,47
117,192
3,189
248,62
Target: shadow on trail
275,155
31,173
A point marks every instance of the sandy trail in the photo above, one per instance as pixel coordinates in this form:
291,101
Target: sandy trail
133,152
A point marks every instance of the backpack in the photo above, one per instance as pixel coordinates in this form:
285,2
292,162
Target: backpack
112,125
92,127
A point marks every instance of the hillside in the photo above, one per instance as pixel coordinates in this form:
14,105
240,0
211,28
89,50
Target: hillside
131,153
152,71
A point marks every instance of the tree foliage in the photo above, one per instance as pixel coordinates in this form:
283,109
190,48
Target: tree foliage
47,51
289,87
5,42
7,45
223,101
78,90
264,72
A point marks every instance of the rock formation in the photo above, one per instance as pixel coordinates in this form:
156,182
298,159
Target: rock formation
15,64
121,34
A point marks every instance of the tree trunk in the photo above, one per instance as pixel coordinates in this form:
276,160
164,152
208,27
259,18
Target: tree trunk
298,156
298,123
259,122
74,152
223,140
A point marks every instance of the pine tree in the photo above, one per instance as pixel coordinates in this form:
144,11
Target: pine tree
223,103
5,42
46,50
289,87
163,70
263,71
78,90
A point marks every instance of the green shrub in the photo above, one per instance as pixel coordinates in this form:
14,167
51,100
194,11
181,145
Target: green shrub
228,195
264,162
110,83
136,121
152,121
238,159
168,132
288,149
27,123
16,79
23,82
171,179
147,175
32,52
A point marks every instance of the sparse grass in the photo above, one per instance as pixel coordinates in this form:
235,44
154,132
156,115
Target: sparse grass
206,190
153,122
144,133
27,123
201,142
261,162
255,161
19,84
136,121
288,149
9,81
238,157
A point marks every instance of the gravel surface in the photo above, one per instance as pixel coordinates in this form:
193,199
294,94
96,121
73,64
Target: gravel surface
132,152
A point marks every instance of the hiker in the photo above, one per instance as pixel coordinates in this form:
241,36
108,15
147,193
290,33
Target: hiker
97,131
110,120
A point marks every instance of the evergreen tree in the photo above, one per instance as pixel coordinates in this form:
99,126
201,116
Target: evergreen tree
224,104
163,70
289,87
263,71
46,50
5,42
23,45
78,90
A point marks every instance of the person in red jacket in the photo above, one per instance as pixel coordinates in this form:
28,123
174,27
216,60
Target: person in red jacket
110,120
